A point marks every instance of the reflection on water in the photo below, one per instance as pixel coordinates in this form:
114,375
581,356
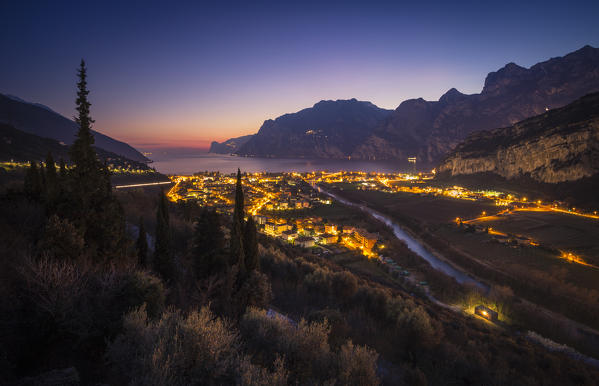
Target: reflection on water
229,164
412,244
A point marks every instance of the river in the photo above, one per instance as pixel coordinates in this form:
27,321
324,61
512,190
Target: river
413,244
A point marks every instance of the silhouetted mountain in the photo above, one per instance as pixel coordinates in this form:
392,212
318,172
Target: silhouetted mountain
425,129
429,130
229,146
18,145
42,121
557,146
329,129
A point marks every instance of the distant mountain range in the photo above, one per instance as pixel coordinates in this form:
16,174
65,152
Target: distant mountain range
229,146
560,145
427,129
40,120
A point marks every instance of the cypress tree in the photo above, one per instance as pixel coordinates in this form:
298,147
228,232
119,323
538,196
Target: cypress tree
51,180
163,261
86,173
236,248
208,243
142,244
250,245
62,174
32,184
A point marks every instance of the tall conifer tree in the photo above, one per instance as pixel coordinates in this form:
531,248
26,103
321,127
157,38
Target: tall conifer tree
51,180
236,247
163,260
142,244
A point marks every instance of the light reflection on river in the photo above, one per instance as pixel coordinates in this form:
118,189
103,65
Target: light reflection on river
412,244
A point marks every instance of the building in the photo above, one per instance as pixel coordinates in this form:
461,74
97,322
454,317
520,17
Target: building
328,238
260,220
305,242
366,239
486,313
289,235
348,229
330,228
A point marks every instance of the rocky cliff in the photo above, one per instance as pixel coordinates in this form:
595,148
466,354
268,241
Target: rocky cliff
560,145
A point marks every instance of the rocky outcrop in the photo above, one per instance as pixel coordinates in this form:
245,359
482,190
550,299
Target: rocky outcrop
229,146
558,146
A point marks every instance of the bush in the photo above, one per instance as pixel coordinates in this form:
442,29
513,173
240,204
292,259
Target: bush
179,349
357,365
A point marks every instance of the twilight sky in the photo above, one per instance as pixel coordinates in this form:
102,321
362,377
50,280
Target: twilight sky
183,75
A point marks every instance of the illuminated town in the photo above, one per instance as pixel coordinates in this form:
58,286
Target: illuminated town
280,204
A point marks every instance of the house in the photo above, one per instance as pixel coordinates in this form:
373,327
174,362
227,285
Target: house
304,241
486,313
330,228
289,235
348,229
270,228
327,238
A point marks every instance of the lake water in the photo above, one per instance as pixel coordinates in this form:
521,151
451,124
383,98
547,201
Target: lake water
229,164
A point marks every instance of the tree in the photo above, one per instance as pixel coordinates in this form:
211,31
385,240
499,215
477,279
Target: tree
208,243
51,180
33,184
142,245
91,205
236,247
163,259
250,245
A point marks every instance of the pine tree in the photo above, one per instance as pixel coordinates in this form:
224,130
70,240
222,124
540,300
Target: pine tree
250,245
163,260
62,175
142,245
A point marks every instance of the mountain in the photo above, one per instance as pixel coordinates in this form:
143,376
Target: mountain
329,129
560,145
18,145
429,130
229,146
42,121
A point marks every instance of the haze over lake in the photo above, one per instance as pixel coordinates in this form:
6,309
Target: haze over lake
189,164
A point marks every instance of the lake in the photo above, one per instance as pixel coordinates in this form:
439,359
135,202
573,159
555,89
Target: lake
229,164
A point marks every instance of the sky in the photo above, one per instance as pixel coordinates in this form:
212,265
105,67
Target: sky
182,74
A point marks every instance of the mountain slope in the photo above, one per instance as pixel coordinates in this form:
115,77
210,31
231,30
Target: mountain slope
558,146
429,130
18,145
329,129
230,145
46,123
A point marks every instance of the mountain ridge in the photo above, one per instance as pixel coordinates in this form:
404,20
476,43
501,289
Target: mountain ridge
44,122
431,129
